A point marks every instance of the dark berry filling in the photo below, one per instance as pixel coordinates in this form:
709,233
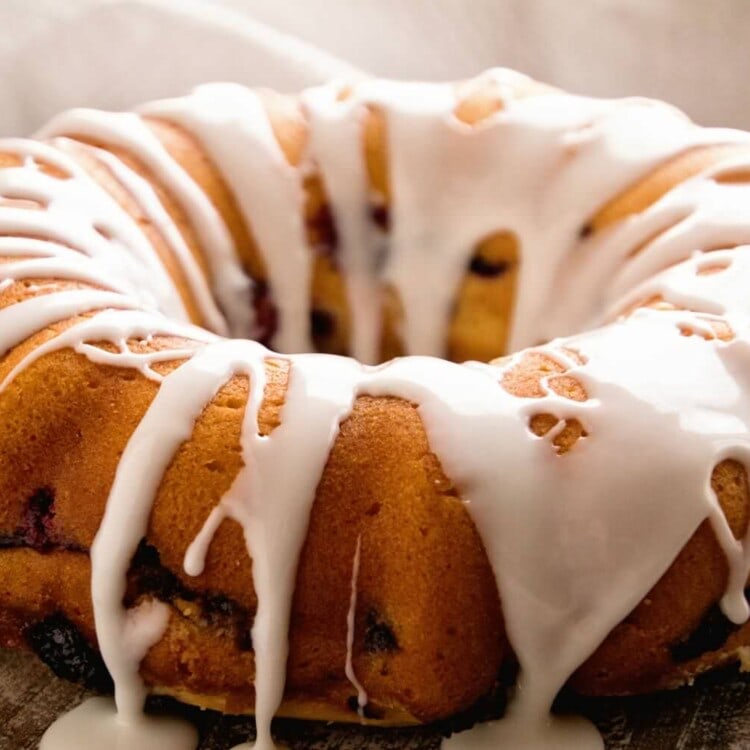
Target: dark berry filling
381,216
710,635
244,639
266,315
323,229
36,529
369,710
60,645
148,576
11,541
322,324
218,605
379,635
488,269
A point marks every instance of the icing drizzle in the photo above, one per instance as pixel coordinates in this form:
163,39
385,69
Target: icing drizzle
231,124
129,132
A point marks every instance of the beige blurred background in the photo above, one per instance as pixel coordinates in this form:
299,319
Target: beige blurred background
113,53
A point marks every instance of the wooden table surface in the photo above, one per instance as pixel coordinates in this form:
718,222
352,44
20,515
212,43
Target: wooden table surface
713,715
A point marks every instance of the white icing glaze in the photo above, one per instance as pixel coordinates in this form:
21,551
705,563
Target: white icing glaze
39,259
152,208
117,327
231,123
336,141
350,623
127,131
575,542
24,319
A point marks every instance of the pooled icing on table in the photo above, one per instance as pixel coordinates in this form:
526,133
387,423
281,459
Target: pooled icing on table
566,571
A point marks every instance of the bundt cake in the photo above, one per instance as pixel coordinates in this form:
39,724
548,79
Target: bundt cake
185,512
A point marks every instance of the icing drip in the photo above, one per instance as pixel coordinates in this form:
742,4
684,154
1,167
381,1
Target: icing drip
127,131
125,635
232,124
350,621
273,504
662,252
674,264
336,142
168,422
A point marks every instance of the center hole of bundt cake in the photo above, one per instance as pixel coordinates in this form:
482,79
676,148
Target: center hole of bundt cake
477,325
